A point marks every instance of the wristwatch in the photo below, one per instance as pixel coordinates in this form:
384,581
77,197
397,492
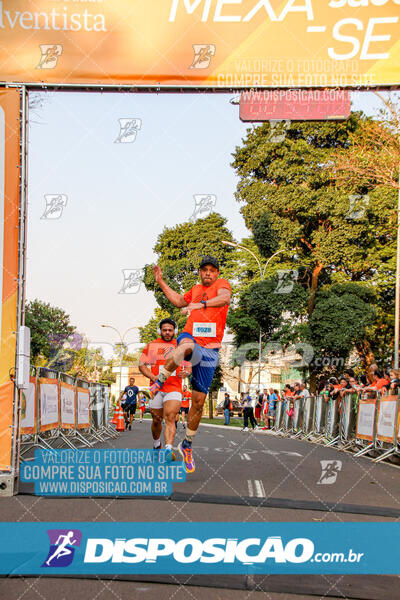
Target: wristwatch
204,303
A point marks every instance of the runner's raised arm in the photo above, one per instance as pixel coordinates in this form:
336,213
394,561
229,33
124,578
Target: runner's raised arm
175,298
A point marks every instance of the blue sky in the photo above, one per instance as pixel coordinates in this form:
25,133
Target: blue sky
120,196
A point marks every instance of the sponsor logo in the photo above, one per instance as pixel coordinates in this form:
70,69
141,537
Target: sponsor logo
190,550
62,547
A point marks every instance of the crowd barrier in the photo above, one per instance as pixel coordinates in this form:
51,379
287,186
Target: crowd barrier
62,411
356,423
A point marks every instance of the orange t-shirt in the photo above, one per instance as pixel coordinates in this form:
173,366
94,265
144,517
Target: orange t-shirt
207,325
186,399
155,354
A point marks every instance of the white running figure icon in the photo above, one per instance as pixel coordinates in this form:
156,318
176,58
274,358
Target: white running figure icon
62,550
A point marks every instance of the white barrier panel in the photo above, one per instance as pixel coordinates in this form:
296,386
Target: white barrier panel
67,400
28,413
48,404
83,420
386,423
366,418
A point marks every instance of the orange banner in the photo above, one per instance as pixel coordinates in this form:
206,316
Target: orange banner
204,43
366,419
67,405
49,404
9,199
386,421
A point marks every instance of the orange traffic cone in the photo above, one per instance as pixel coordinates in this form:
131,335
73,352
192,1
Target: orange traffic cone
116,412
121,421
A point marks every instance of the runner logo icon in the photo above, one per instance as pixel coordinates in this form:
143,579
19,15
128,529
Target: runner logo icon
62,547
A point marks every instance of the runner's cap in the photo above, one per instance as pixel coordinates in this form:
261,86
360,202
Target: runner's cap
209,260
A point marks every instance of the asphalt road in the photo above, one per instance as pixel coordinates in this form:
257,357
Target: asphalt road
240,476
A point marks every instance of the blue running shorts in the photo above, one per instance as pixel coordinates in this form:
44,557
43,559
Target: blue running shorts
204,362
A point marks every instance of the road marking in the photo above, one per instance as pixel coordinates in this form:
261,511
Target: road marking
260,492
245,456
233,443
258,488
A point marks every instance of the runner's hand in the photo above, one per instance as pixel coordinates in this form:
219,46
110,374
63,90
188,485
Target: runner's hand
157,274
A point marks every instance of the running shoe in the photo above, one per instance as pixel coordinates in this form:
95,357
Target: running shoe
186,453
152,390
245,429
169,455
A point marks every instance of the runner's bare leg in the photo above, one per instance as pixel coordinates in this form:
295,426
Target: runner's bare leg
171,408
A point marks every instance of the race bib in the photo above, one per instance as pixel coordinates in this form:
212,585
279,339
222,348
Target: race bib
204,330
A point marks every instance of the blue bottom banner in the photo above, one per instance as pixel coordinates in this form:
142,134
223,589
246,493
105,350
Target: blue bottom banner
209,548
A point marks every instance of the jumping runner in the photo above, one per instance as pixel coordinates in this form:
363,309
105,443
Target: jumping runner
129,406
206,305
165,404
185,405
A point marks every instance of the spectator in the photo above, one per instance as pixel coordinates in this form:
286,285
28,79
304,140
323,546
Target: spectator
272,400
379,381
394,383
227,408
259,407
290,410
248,414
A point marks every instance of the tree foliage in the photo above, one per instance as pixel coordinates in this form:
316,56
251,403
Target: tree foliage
291,188
50,328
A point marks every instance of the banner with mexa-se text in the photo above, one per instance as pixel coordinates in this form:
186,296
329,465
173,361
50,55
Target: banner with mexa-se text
204,43
9,198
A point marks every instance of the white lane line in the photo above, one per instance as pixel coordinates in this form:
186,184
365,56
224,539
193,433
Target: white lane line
260,491
245,456
250,486
233,443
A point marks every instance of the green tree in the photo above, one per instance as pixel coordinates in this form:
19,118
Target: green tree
50,328
292,186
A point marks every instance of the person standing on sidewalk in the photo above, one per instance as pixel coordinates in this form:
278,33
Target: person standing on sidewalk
248,414
227,408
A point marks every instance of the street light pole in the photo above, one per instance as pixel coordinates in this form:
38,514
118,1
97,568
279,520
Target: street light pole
121,337
262,275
